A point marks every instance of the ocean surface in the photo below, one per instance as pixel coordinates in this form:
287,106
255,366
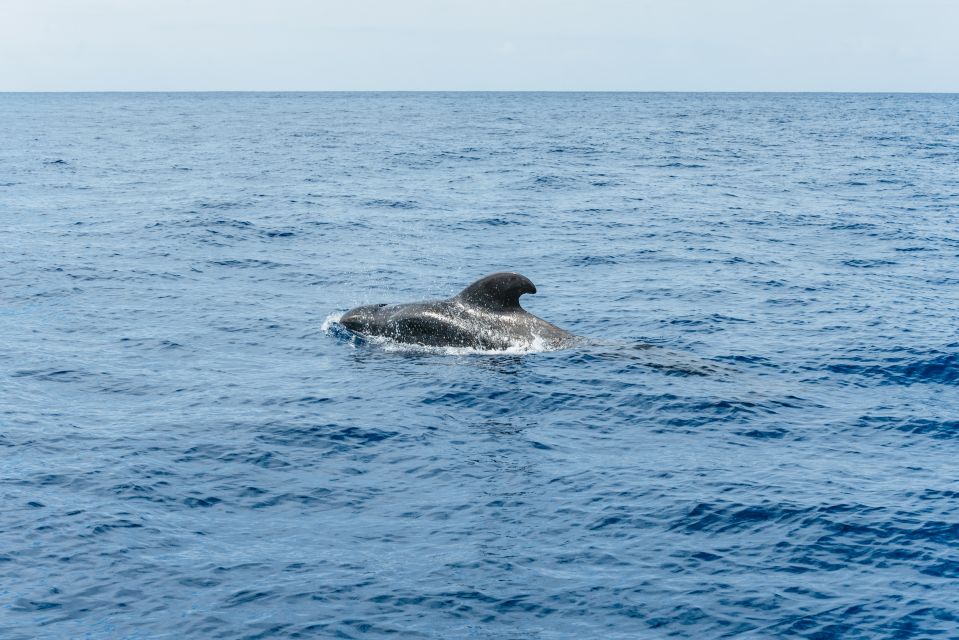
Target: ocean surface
191,447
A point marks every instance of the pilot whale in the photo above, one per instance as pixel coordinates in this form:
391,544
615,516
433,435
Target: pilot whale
485,315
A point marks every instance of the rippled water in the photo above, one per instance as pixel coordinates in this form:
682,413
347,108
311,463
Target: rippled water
189,448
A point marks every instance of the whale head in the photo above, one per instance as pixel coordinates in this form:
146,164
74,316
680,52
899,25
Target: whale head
363,319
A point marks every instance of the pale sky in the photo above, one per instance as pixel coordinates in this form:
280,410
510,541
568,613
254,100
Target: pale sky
616,45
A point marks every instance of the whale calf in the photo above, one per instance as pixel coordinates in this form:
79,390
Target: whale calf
485,315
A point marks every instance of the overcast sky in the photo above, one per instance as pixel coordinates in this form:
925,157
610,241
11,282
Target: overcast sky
645,45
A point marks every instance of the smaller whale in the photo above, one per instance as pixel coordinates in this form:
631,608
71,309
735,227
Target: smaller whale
485,315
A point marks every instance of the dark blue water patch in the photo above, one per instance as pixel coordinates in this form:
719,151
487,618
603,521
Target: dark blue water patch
737,517
918,426
756,440
934,367
208,501
765,434
912,249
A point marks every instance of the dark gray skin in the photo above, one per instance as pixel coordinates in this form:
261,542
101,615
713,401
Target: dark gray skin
485,315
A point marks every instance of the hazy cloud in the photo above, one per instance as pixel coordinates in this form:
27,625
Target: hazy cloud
848,45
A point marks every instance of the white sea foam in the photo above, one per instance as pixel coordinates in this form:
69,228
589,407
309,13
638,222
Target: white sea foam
329,321
536,345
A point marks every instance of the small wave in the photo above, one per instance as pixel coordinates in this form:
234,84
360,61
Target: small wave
868,264
853,226
681,165
54,375
392,204
224,204
588,261
229,222
578,150
327,436
464,155
550,181
246,263
495,222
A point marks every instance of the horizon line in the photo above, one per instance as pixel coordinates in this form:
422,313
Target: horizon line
711,91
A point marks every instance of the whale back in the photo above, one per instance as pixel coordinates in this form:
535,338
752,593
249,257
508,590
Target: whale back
484,315
498,292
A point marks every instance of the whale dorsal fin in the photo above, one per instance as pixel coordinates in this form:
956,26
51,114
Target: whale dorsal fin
498,291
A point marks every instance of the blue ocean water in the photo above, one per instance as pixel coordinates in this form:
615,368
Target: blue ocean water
189,447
